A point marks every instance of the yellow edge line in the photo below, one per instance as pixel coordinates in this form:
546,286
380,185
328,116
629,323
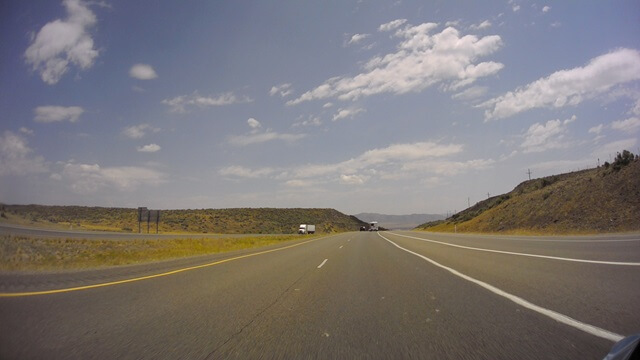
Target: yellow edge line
87,287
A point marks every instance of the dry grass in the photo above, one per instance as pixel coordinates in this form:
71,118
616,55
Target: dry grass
33,253
601,200
201,221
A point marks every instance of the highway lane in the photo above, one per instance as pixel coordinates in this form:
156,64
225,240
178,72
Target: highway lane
618,247
599,294
352,295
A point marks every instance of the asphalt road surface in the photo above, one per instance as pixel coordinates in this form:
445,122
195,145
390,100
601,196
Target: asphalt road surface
365,295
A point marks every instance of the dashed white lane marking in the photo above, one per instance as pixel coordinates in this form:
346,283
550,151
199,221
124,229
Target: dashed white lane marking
325,260
524,254
590,329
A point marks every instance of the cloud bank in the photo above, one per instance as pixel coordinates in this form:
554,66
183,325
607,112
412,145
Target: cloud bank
422,59
568,87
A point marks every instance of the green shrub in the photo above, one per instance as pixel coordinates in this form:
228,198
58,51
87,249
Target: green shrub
623,159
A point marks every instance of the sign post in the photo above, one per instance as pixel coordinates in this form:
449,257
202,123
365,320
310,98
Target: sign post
142,213
154,215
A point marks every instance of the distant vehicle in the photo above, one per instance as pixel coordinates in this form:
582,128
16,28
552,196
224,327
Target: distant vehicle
373,226
363,228
306,229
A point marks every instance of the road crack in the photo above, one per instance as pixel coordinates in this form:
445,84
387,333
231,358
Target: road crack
256,316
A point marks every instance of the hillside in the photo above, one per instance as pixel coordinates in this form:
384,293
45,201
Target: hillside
398,221
227,221
600,200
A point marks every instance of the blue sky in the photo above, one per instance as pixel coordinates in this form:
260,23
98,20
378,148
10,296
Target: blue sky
362,106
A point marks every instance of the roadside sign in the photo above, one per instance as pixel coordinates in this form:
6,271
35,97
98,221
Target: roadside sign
143,214
148,216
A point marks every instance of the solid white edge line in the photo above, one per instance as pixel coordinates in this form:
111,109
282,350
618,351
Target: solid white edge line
590,329
325,260
618,263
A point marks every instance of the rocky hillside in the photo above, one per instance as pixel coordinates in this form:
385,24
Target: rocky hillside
228,221
600,200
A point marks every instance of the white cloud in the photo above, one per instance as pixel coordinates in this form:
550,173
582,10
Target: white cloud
353,179
26,131
568,87
629,125
356,38
150,148
515,8
90,178
243,172
596,129
16,157
422,59
138,131
546,8
299,183
47,114
347,113
393,156
142,72
257,137
283,90
62,43
636,107
310,121
483,25
254,124
392,25
381,162
471,93
415,161
181,103
542,137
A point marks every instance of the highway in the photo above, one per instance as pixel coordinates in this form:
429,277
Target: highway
387,295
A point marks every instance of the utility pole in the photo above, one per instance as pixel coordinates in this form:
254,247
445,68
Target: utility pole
529,173
468,202
488,195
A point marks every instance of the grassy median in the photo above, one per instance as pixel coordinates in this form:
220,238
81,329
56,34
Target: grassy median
34,253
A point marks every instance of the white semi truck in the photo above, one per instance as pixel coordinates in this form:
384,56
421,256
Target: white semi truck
306,229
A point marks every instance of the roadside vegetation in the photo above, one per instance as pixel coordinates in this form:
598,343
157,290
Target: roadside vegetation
21,253
605,199
202,221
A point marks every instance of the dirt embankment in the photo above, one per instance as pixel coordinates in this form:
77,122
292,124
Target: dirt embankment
601,200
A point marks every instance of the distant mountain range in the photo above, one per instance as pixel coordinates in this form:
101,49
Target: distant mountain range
400,222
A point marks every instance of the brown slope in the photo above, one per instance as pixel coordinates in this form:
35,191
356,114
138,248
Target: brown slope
591,201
